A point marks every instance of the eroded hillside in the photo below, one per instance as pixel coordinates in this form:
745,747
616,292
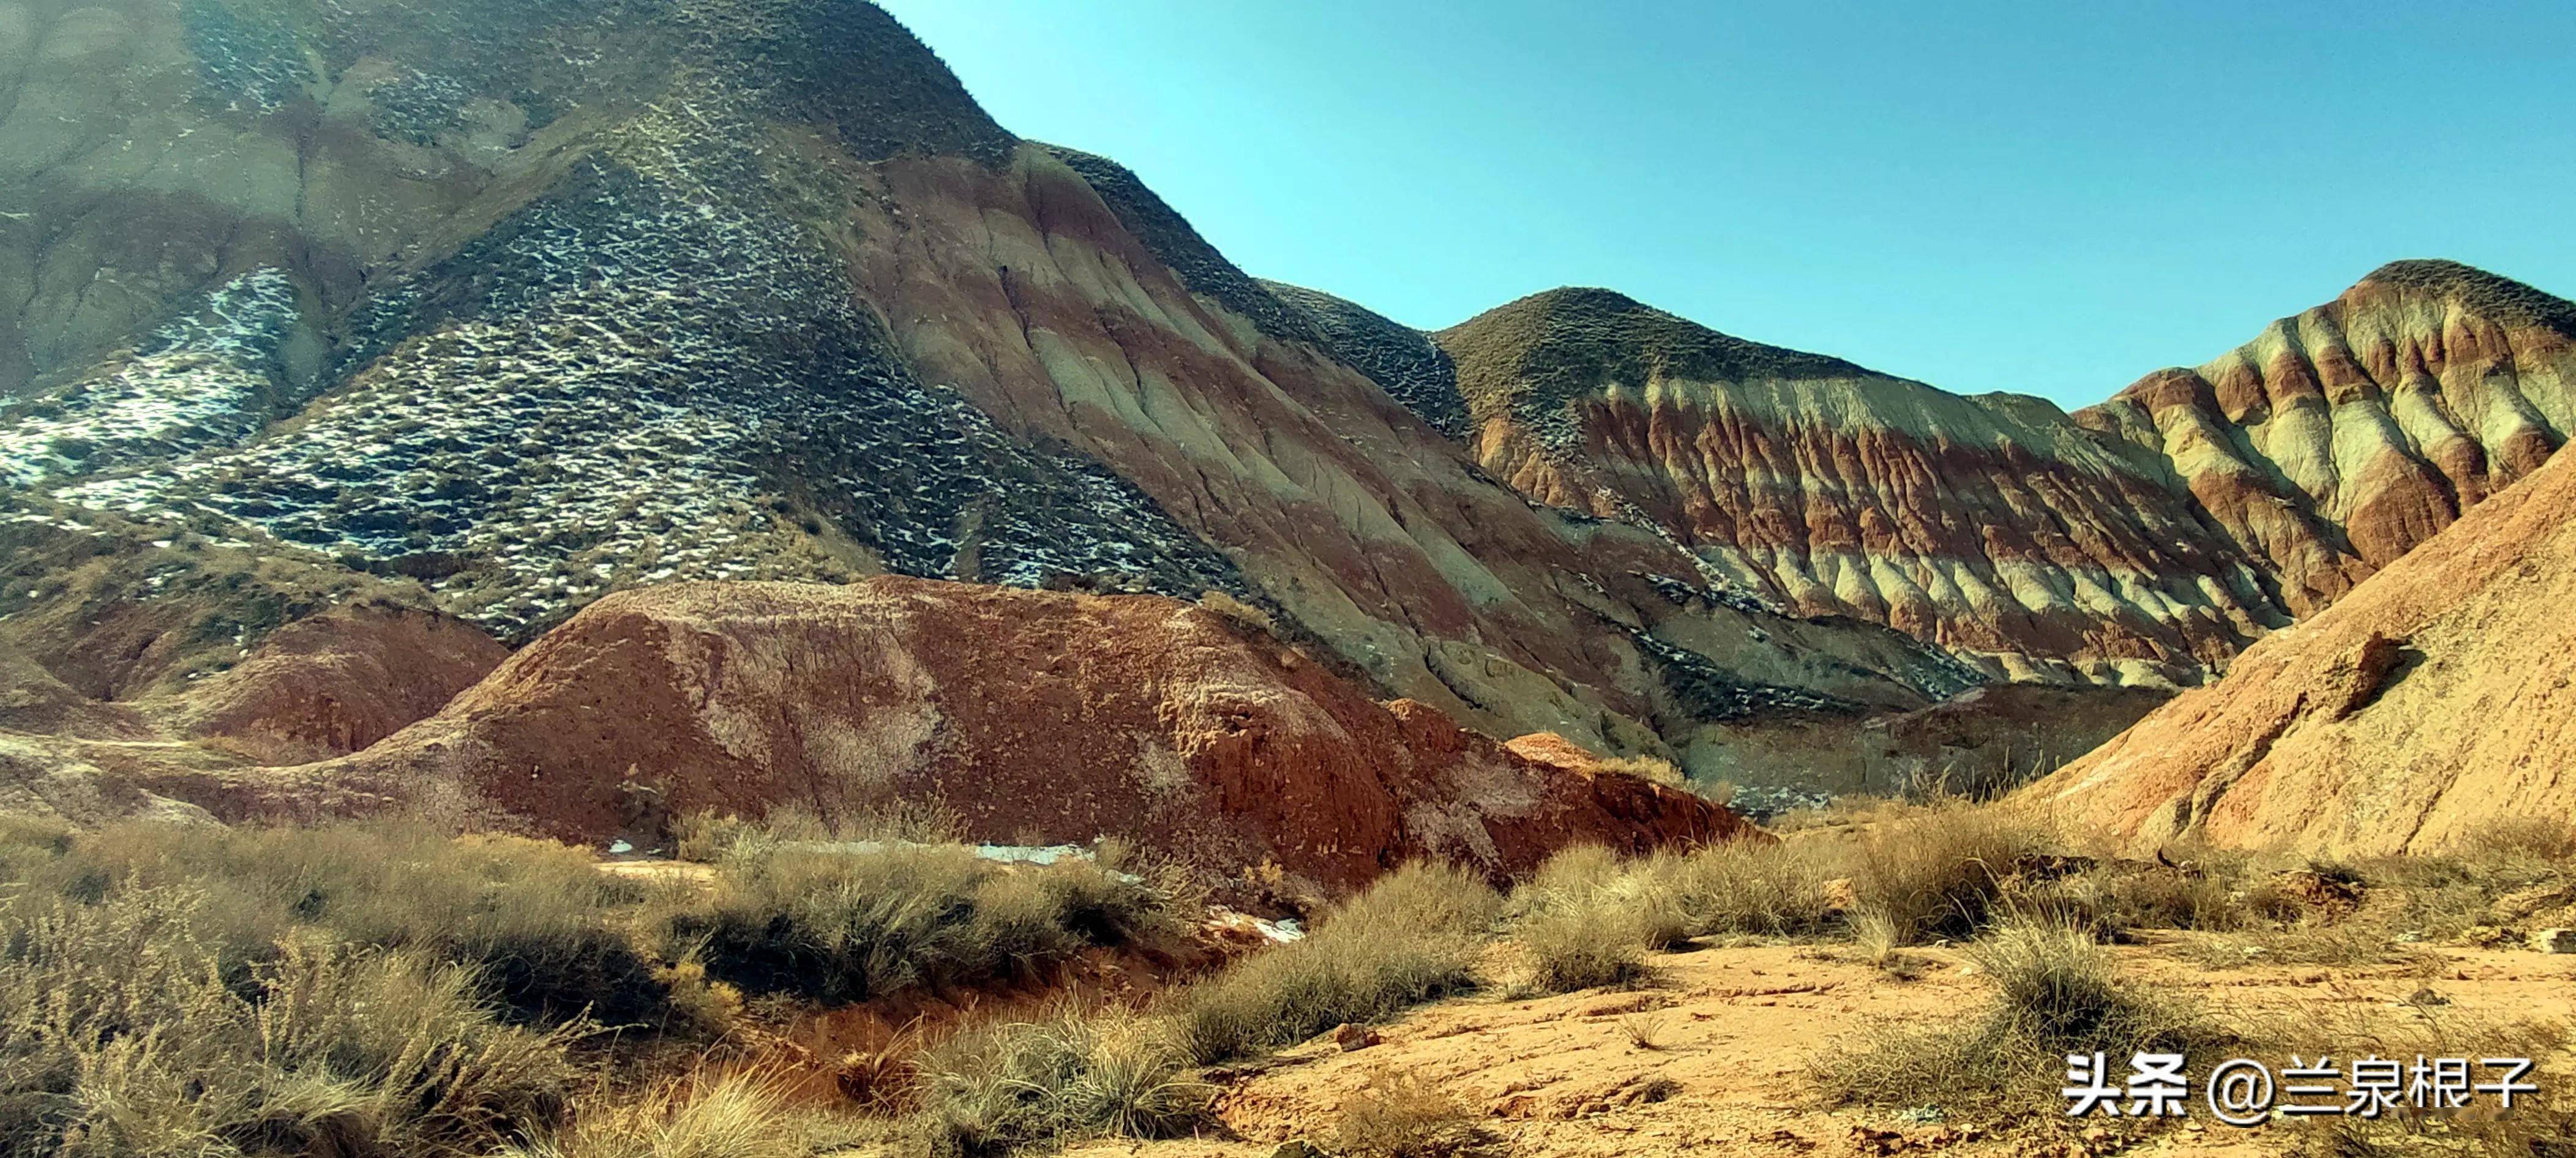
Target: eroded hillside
2144,540
506,307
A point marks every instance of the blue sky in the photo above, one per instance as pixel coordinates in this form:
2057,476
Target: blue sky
2050,198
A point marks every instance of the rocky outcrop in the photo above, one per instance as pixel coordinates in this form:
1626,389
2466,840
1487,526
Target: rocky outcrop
1032,715
2144,540
2434,701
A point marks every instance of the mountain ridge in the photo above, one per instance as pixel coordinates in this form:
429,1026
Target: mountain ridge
515,306
572,300
1588,399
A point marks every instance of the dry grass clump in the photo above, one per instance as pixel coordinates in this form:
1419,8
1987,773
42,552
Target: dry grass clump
2539,1124
2511,873
1002,1087
2301,943
1587,919
121,1035
711,837
1399,1115
2055,994
851,925
1413,936
1570,949
1753,888
534,922
2222,892
2515,876
1645,1028
1943,873
1878,943
735,1115
1651,769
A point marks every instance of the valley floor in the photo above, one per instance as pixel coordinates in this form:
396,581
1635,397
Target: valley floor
1733,1029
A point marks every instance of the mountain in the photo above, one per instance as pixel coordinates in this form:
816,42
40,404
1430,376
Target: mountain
2433,703
461,315
2344,436
471,313
2148,539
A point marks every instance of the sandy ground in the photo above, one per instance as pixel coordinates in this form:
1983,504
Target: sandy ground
1734,1029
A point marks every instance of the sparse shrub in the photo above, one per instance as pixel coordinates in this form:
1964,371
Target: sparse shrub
708,837
1638,897
1879,945
2055,994
1399,1115
2539,1124
1570,949
2525,839
1651,769
119,1035
2303,943
836,925
1944,872
1645,1028
700,1006
1587,919
997,1088
1753,888
1412,937
739,1115
2055,986
2210,900
534,921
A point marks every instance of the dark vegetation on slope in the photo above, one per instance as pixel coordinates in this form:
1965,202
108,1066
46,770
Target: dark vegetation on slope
2477,291
1403,361
1531,356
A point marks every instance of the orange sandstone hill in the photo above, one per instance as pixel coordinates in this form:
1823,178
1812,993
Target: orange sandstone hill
1042,716
2146,539
2434,701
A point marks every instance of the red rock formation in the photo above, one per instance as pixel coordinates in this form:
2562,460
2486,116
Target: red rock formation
337,682
2435,700
1033,715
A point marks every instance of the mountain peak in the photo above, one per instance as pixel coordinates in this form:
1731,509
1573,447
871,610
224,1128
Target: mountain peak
2498,298
1609,334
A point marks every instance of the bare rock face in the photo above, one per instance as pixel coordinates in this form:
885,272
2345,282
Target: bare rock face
1990,525
1033,715
2144,540
2436,699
